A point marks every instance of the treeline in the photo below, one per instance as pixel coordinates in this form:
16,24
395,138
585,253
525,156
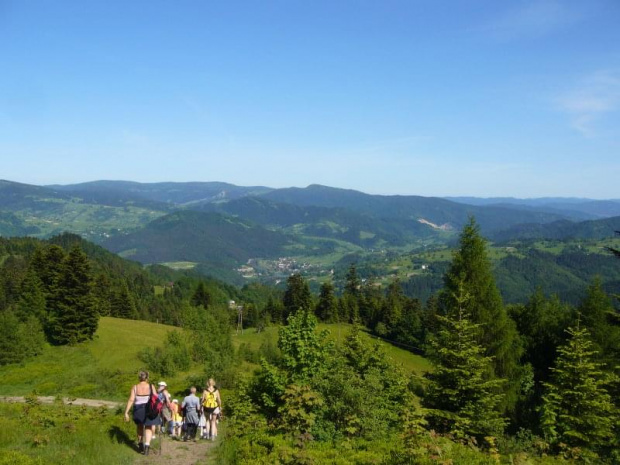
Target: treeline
541,376
55,291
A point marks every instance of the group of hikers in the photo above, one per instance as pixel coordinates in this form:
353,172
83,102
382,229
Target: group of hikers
179,421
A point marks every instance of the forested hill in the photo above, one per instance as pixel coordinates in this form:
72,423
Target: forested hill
435,210
198,237
560,230
120,287
337,223
171,193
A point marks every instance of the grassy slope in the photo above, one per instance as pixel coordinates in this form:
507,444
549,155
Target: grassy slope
104,368
337,332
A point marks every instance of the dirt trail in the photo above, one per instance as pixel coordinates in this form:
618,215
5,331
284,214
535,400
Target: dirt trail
66,400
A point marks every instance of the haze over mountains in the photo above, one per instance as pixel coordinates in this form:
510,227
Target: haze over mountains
225,225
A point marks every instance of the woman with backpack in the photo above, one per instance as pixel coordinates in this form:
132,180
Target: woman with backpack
139,398
211,402
166,412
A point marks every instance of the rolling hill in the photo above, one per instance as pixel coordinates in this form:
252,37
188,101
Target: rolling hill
561,230
437,211
334,223
198,237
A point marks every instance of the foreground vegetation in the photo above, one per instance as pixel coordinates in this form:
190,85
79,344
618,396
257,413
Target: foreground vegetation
532,382
35,434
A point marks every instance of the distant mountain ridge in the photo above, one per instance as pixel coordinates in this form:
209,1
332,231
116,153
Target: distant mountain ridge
575,208
175,193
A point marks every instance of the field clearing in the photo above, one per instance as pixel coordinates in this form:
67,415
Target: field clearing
180,265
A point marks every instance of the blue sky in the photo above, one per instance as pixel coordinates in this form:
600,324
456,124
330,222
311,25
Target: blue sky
425,97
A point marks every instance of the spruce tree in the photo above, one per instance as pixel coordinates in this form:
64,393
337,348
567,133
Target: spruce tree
577,408
497,333
297,295
74,317
326,308
201,297
392,308
32,297
597,314
350,299
122,304
461,397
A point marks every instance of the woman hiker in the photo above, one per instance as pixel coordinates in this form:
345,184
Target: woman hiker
139,397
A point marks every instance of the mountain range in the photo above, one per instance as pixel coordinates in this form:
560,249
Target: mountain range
225,225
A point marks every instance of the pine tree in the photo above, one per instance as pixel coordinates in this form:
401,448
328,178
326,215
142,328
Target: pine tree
471,270
350,299
461,397
297,295
326,308
392,308
577,408
32,297
102,295
201,297
122,304
597,313
74,317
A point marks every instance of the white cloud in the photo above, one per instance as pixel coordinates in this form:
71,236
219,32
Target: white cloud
595,96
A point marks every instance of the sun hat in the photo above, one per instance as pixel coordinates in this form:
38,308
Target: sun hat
175,400
162,383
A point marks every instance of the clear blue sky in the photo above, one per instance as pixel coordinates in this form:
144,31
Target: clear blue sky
427,97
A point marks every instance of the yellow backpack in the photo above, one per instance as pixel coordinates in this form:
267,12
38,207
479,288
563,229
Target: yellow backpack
210,400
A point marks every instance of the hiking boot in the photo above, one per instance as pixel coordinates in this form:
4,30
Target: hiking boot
146,450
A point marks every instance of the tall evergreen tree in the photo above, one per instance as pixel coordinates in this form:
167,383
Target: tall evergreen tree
201,297
32,297
461,396
392,308
577,408
471,270
102,294
297,295
598,315
327,307
122,304
74,317
350,299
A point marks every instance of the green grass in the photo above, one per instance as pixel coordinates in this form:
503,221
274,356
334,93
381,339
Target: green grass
104,368
412,363
58,434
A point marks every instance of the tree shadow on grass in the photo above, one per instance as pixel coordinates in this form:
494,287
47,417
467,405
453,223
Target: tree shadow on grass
121,437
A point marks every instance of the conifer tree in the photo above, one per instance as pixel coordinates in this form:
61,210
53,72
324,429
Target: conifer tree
122,304
297,295
392,308
326,308
471,270
597,313
102,294
74,317
350,299
461,397
577,408
32,297
201,297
